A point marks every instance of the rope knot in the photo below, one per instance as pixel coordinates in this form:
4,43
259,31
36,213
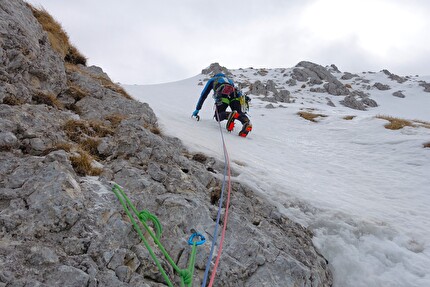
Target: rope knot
186,276
144,215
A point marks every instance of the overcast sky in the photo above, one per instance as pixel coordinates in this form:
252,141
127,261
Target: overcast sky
145,42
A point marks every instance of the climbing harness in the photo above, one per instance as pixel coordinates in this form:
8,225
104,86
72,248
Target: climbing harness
144,216
215,234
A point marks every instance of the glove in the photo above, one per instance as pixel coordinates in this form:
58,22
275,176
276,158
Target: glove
195,113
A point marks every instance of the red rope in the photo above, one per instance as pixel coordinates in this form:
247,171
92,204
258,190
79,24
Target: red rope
212,279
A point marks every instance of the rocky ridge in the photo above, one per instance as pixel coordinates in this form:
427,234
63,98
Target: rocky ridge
325,84
66,133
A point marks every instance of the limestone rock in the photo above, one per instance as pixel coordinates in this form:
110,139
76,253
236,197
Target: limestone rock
425,85
394,77
216,68
381,87
27,62
399,94
317,74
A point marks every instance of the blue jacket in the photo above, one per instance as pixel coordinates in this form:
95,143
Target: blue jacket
220,79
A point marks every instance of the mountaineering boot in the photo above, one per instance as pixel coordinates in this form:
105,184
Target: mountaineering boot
247,127
230,122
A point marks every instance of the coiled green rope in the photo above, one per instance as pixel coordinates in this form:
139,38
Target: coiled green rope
144,216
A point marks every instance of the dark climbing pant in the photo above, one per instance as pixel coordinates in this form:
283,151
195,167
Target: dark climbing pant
221,108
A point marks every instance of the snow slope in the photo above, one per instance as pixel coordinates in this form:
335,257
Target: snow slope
362,189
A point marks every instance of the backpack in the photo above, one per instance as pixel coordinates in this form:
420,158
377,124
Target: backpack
223,86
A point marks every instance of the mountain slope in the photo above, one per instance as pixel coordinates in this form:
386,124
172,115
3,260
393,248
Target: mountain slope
361,188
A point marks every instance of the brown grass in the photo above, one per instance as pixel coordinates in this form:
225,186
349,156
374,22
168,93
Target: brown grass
80,130
115,119
348,118
75,91
73,56
153,129
422,123
426,145
100,128
47,99
82,164
90,145
74,108
58,37
12,101
76,129
108,84
395,123
310,116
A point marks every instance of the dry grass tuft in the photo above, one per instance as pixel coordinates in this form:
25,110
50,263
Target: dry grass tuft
348,118
395,123
100,128
115,119
75,91
82,164
47,99
153,129
422,124
73,56
310,116
90,145
80,130
76,129
12,101
58,37
108,84
426,145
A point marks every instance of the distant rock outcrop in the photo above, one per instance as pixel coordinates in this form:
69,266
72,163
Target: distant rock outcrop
270,92
381,87
216,68
317,74
66,133
425,85
399,94
358,101
394,77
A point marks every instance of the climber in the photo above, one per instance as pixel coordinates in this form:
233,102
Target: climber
225,95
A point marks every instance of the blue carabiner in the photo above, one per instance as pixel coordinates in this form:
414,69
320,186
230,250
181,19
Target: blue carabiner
202,239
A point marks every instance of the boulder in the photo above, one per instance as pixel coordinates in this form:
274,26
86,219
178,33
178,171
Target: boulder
317,74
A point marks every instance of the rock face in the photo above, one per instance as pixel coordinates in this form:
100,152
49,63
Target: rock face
317,74
270,92
215,68
381,86
426,86
358,101
59,226
27,62
394,77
